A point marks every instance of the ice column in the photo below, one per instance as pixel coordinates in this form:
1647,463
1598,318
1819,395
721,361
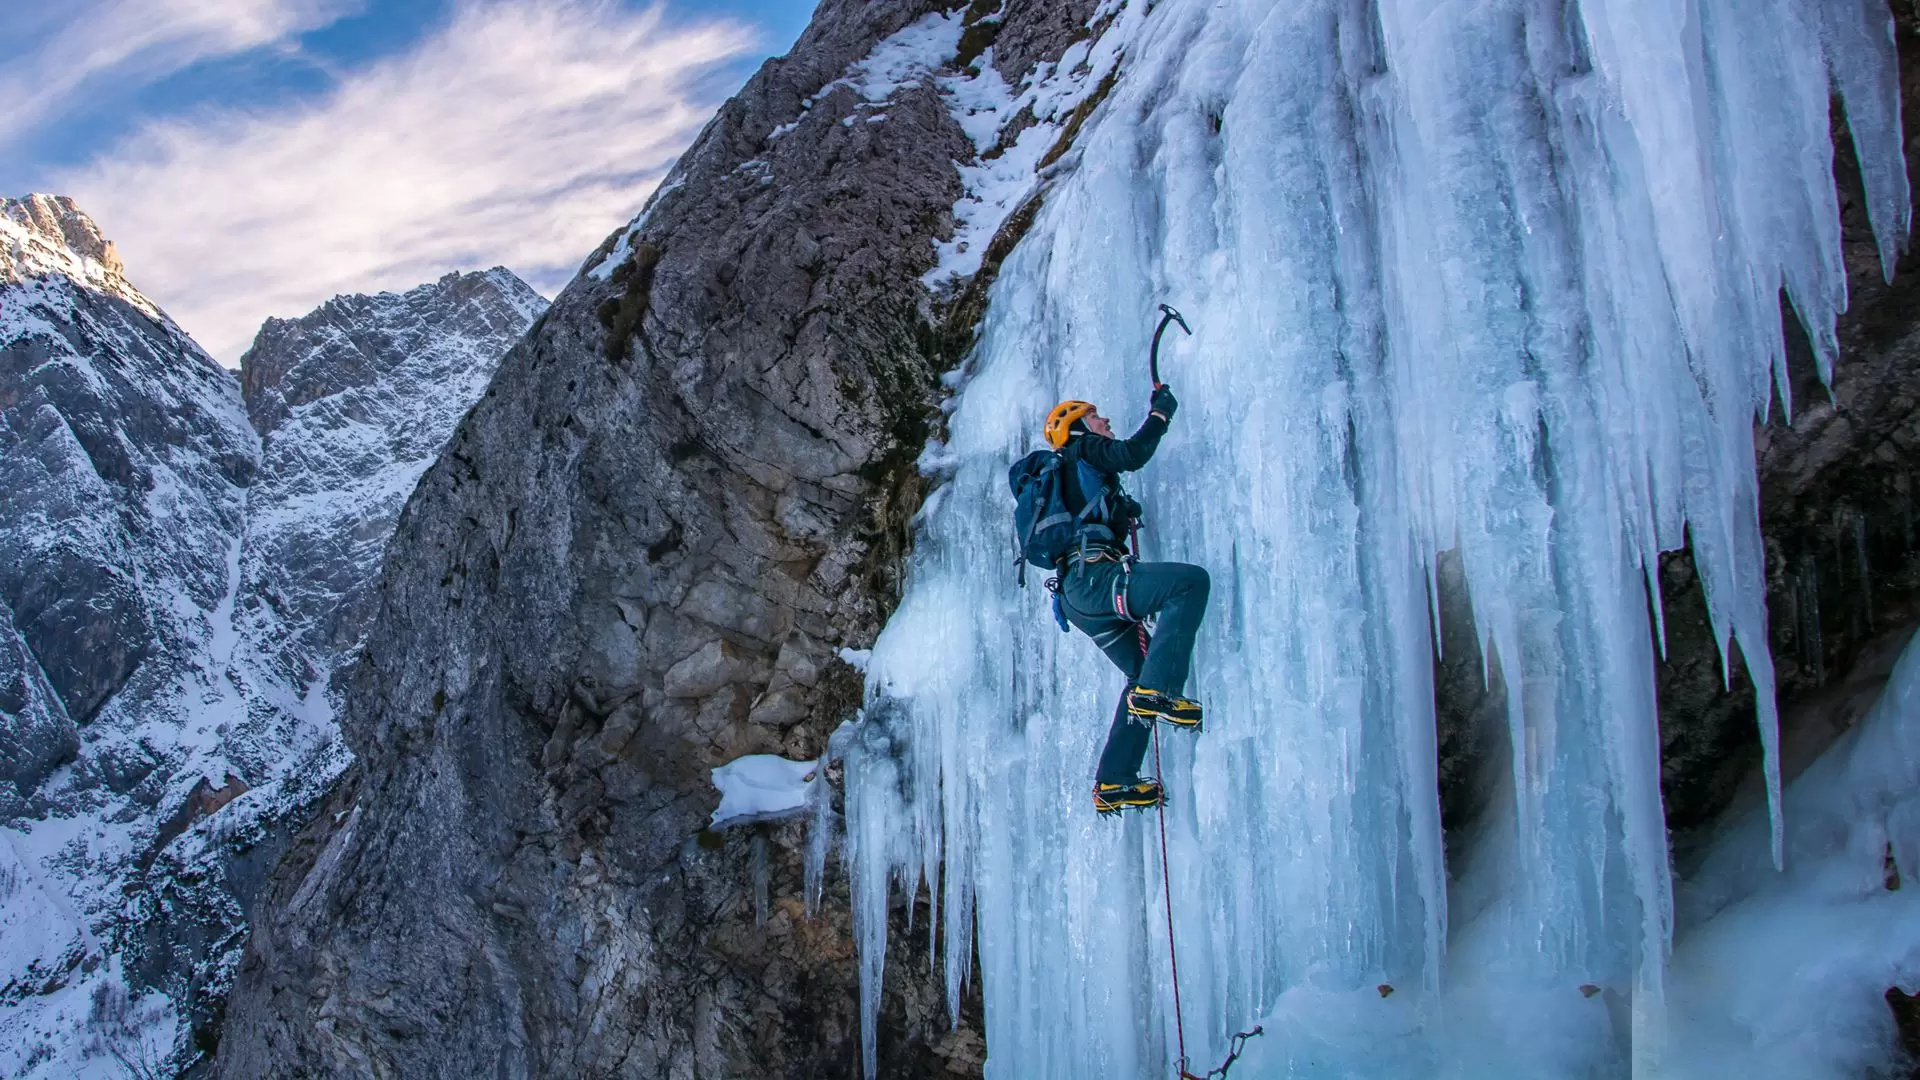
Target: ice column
1497,277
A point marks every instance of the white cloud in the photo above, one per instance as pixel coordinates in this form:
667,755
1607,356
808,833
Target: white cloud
521,134
136,42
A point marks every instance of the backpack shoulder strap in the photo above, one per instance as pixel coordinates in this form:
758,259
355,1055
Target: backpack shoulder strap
1096,491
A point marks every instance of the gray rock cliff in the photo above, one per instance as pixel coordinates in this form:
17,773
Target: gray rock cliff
639,557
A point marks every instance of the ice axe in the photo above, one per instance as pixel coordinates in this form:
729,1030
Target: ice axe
1167,315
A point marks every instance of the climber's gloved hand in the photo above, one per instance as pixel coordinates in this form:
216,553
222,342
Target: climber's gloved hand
1126,509
1164,402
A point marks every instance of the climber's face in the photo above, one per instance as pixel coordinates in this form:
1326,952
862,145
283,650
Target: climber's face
1098,424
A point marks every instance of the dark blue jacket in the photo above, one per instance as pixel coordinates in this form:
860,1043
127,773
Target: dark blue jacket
1111,457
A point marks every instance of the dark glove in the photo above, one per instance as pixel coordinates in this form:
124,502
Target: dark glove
1164,402
1126,509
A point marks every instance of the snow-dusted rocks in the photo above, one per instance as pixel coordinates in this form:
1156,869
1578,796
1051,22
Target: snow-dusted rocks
353,401
160,719
44,235
125,457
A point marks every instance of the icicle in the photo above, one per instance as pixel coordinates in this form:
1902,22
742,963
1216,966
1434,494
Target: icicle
1500,277
821,830
1864,68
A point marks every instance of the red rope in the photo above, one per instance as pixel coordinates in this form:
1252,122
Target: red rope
1166,879
1166,891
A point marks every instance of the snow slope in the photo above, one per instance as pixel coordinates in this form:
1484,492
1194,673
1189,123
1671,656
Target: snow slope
1498,278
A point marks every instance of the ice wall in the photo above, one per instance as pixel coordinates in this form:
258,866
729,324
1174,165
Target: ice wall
1499,277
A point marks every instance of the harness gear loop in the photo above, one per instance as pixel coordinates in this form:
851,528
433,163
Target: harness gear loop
1059,611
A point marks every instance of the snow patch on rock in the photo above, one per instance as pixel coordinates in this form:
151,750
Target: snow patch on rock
759,787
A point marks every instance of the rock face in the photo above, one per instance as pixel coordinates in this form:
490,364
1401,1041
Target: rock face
682,495
125,457
174,594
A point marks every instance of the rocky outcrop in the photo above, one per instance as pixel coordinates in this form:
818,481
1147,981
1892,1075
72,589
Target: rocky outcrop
682,495
48,235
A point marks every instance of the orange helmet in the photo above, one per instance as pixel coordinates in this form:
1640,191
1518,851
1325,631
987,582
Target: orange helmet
1060,421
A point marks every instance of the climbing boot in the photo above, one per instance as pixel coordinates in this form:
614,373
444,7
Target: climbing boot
1133,795
1177,711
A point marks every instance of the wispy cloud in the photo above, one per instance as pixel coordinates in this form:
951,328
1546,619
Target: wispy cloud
520,134
135,42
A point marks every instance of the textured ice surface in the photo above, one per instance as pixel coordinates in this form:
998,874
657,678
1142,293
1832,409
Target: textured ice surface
1498,277
1779,976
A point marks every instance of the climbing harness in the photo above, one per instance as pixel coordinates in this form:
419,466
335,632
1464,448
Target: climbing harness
1239,1041
1153,361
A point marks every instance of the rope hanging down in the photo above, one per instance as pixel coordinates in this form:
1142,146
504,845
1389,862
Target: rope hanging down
1239,1041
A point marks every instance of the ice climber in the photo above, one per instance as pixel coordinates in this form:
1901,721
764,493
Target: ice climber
1103,591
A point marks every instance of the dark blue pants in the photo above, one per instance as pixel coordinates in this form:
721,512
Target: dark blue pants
1106,600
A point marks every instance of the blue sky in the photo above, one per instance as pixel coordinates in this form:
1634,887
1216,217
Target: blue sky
254,157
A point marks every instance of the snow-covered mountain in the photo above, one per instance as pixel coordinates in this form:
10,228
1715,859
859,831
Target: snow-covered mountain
176,586
352,401
125,457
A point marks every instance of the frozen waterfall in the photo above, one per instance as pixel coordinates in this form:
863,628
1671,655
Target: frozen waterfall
1497,276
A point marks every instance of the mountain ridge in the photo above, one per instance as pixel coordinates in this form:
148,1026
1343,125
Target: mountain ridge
176,594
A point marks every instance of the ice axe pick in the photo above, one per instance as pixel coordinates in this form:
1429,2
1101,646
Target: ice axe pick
1167,315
